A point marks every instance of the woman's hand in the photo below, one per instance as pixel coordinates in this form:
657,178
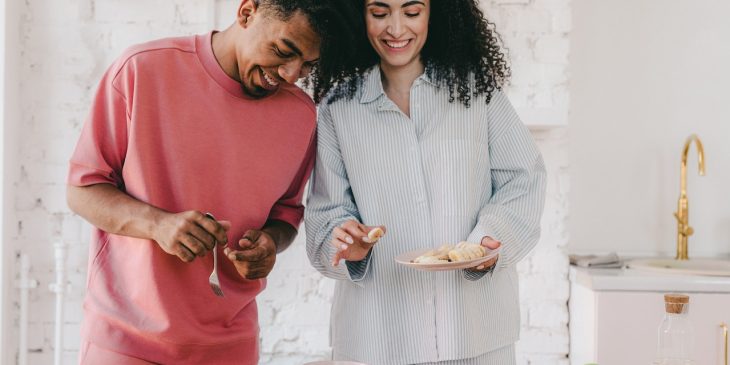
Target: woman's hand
352,242
490,244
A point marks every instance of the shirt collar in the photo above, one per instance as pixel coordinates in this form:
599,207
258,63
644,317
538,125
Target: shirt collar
424,77
373,85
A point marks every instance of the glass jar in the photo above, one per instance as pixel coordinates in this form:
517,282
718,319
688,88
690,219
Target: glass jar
675,332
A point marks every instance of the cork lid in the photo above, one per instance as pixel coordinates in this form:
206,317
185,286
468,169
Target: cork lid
675,303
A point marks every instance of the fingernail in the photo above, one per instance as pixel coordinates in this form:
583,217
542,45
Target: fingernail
349,240
343,247
480,267
366,239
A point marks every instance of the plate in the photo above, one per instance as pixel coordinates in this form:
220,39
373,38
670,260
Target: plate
406,258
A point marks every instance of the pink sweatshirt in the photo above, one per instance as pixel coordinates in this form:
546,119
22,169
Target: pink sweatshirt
171,129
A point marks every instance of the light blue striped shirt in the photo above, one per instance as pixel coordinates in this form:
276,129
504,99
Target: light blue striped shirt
446,174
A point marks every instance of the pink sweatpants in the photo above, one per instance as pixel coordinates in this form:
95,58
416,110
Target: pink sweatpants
90,354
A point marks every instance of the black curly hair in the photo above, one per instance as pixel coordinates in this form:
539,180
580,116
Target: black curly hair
463,52
340,26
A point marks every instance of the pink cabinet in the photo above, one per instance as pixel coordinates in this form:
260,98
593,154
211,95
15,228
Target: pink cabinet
619,327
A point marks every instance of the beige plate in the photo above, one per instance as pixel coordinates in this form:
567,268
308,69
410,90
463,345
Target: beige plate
406,258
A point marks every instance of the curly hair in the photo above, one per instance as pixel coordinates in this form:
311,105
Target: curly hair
463,52
340,26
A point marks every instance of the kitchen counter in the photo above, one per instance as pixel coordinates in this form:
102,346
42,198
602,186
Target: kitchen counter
634,280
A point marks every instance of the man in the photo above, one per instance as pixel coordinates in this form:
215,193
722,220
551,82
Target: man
186,126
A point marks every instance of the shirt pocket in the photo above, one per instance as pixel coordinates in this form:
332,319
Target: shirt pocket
461,167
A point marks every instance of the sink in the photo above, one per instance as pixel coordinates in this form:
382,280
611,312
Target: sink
699,266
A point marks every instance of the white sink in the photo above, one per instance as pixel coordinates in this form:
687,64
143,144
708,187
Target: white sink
699,266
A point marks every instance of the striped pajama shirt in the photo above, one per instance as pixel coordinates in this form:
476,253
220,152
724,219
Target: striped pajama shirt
446,174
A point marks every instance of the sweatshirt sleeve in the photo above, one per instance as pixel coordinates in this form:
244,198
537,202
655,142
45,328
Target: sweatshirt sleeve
102,146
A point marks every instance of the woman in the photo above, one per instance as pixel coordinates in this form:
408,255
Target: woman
424,143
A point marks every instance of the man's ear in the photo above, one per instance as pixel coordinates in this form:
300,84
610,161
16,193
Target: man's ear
246,11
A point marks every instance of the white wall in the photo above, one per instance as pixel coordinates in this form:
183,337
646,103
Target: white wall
644,76
66,45
4,269
10,114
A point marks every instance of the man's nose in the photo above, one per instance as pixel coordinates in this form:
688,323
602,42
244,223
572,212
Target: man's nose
291,71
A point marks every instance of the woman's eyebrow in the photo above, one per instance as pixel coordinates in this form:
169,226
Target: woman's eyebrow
379,4
414,2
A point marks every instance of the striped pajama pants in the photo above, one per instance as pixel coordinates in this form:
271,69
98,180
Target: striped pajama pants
501,356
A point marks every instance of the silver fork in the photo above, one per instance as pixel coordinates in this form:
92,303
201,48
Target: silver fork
215,284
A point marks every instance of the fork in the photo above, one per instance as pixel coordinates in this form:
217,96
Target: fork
215,284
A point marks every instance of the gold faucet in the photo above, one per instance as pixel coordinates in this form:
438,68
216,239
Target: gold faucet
682,213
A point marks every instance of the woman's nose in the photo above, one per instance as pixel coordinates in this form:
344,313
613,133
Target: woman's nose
395,27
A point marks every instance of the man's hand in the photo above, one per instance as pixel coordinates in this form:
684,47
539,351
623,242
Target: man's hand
190,234
490,244
257,255
352,242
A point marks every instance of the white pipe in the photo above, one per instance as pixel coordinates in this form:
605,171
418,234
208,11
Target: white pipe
25,284
59,287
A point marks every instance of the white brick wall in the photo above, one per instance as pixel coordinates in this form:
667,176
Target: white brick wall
67,45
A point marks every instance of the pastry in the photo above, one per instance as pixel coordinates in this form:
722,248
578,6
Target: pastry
423,259
462,251
466,251
375,234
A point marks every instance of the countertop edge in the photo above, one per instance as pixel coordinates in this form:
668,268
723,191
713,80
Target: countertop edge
622,279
